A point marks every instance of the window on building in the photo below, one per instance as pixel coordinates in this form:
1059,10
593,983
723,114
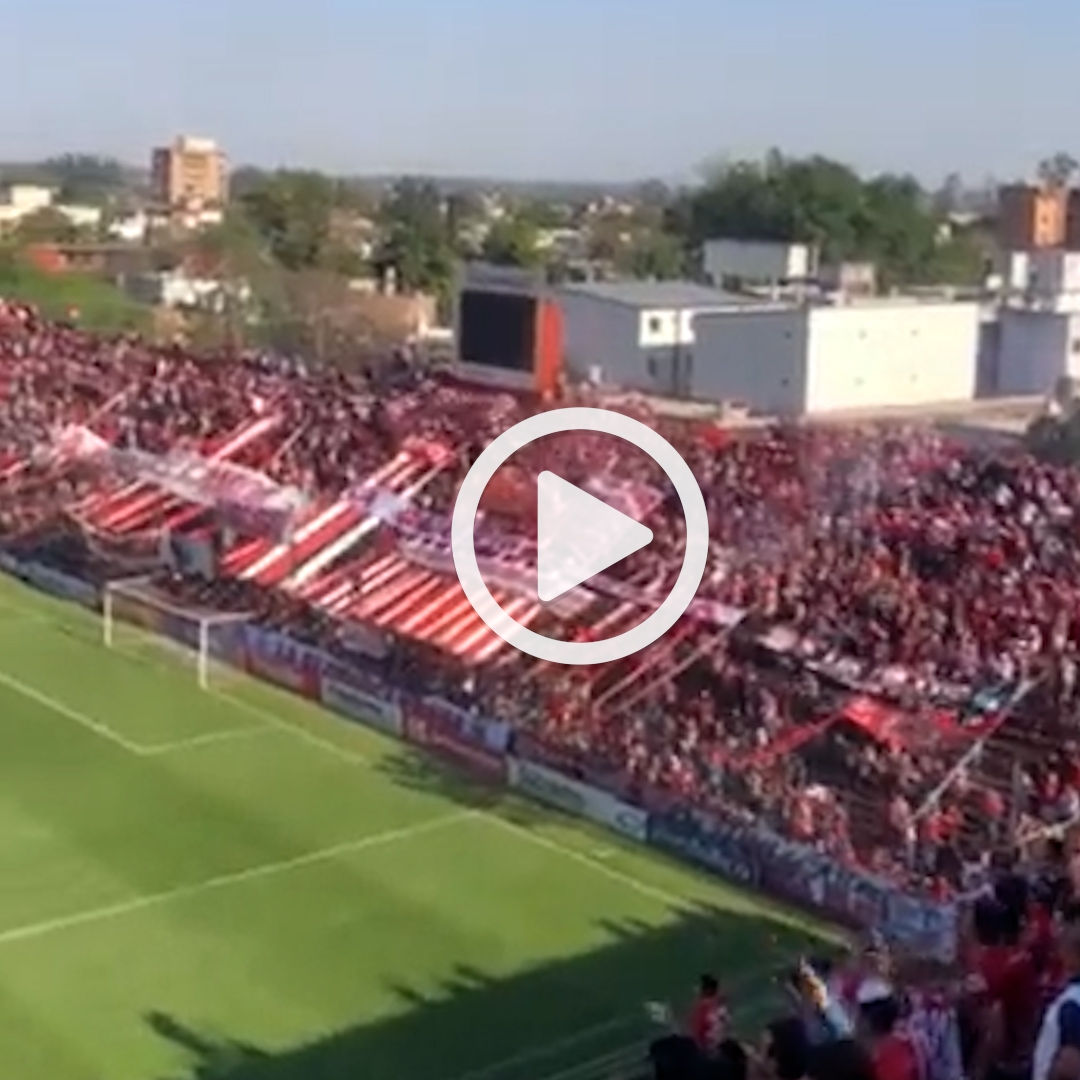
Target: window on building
1076,346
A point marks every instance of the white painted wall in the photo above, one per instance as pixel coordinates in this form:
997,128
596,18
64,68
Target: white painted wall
753,357
757,261
1036,349
794,361
881,355
1054,271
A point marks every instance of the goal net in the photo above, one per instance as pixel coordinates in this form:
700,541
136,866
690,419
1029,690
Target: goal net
139,620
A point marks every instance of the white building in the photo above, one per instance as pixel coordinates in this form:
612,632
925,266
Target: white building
1035,349
131,228
1039,329
758,262
21,201
638,335
816,359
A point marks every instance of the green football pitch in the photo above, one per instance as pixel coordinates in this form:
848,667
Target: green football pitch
233,883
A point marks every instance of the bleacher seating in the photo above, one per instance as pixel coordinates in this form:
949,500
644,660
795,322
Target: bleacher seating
883,660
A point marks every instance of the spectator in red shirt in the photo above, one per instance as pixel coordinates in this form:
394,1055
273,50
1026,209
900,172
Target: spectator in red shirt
1004,984
893,1051
709,1016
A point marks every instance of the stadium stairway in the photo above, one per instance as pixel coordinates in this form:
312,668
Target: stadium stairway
396,594
680,649
269,563
404,478
645,669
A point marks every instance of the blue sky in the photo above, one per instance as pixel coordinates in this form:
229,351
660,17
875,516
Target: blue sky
554,88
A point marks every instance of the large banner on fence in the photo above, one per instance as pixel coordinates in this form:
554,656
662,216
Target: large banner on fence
281,660
62,586
476,742
709,843
548,786
359,696
752,854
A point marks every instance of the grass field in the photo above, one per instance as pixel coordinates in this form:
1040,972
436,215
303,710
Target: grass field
236,884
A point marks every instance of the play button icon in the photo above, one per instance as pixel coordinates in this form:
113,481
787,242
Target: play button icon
578,536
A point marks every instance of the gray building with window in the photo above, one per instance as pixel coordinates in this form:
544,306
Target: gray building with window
639,335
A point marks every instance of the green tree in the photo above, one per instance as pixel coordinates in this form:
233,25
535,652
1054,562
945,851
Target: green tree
1059,169
887,219
291,211
512,241
46,226
87,179
654,254
252,281
416,237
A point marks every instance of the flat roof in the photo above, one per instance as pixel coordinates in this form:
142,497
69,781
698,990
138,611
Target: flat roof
659,294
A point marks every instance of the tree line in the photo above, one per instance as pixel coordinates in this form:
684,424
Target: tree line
296,237
890,220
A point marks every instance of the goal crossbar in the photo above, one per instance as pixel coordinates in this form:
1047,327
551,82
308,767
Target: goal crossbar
135,602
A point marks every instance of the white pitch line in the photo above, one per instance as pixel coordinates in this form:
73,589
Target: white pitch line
222,881
628,881
209,738
58,707
266,718
635,884
271,719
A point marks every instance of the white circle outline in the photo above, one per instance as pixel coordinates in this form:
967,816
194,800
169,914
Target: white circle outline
695,556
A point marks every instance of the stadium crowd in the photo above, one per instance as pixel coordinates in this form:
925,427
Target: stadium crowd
877,560
940,583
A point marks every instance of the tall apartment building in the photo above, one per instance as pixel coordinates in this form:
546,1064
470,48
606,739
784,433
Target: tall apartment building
191,174
1031,217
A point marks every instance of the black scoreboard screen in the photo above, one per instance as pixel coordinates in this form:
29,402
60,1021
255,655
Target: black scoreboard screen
497,329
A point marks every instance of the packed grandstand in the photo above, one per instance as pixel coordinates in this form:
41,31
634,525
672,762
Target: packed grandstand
879,672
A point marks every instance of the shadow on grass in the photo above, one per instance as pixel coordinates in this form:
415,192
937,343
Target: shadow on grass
423,772
573,1018
579,1018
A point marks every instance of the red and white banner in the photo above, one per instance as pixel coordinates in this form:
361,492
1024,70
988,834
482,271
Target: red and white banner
75,443
245,500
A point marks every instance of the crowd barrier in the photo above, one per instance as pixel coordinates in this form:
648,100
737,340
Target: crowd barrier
742,851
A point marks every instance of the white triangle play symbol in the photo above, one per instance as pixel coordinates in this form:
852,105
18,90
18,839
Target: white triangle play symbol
578,536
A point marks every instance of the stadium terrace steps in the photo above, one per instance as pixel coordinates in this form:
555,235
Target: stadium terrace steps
646,667
135,505
640,686
395,594
277,561
621,618
327,534
403,476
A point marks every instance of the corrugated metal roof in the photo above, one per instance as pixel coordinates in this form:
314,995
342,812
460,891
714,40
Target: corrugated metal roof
659,294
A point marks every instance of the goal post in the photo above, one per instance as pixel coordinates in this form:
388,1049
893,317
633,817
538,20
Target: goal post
138,619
